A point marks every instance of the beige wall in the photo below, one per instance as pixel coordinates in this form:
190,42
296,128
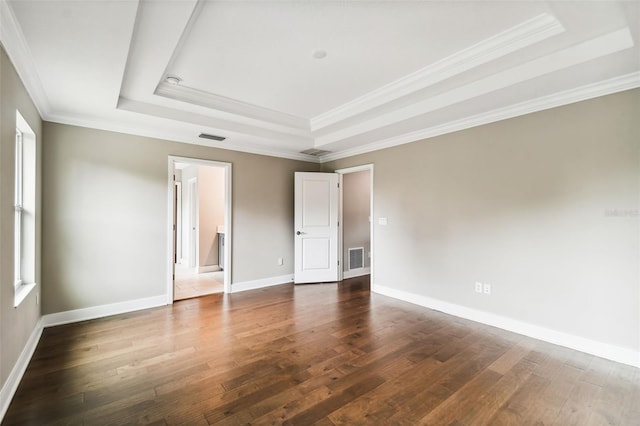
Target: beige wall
105,204
211,206
356,194
527,205
16,324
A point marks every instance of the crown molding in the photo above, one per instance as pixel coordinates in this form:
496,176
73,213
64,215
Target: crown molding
582,93
239,111
295,141
534,30
14,43
242,110
165,133
597,47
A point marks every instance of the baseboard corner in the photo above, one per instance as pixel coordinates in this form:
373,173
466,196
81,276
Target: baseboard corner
13,380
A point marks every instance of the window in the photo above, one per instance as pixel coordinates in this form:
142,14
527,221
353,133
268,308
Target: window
25,211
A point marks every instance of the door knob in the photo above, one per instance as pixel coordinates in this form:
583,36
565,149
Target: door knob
300,233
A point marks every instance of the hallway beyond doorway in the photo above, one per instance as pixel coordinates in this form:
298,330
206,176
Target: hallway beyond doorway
189,284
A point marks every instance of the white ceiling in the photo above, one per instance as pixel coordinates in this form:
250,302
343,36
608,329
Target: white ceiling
394,71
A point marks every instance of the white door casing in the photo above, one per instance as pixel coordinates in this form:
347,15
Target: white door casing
193,223
178,223
228,220
316,227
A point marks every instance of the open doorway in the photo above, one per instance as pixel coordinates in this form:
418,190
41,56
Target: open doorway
356,215
199,229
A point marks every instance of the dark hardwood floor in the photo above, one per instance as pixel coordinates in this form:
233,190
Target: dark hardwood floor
316,354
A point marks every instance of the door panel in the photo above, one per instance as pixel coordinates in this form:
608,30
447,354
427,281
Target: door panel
316,227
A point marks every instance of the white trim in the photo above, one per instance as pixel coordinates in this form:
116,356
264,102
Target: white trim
297,139
164,131
601,46
242,112
578,94
261,283
605,350
353,273
21,292
17,49
11,384
341,172
178,221
518,37
208,268
193,202
101,311
228,218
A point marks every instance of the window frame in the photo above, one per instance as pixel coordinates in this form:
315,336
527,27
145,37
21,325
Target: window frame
25,211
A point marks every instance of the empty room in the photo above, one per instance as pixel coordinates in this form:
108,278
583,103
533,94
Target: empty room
319,212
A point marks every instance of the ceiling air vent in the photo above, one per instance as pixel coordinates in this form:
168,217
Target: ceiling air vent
212,137
315,152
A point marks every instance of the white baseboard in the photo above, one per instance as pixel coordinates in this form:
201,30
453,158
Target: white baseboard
265,282
356,273
208,268
604,350
11,385
103,311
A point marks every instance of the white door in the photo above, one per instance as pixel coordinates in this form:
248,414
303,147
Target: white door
316,227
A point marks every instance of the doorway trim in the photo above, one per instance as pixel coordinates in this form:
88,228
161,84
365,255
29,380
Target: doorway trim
193,221
341,173
178,213
172,159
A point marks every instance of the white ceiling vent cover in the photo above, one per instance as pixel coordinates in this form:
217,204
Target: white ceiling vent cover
356,258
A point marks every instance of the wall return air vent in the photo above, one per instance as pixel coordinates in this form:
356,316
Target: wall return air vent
356,258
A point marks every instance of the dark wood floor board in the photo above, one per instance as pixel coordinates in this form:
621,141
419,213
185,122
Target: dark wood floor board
466,396
520,408
388,396
482,409
293,407
327,354
191,404
439,384
577,409
245,402
512,357
335,401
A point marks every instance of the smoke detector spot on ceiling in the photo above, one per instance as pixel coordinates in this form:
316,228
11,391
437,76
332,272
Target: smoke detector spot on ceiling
315,152
319,54
172,79
212,137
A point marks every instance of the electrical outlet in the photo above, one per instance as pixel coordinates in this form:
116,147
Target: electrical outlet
280,261
478,287
487,289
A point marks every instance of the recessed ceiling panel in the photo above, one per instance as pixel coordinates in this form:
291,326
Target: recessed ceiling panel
262,53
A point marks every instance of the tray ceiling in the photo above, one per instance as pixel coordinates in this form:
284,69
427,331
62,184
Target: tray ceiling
282,77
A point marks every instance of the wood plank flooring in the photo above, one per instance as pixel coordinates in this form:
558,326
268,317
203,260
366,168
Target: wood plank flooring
326,354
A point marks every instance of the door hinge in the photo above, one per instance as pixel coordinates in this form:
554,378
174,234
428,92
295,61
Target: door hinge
338,262
338,184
